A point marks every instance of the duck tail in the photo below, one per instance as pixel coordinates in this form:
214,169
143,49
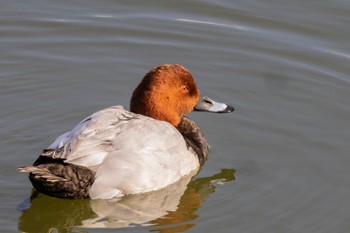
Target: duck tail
56,178
39,173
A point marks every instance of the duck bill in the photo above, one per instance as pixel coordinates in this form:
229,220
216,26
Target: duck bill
206,104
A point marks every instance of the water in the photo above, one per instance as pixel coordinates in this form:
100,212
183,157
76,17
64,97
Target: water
278,164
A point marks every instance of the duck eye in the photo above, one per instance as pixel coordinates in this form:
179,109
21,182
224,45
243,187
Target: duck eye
184,88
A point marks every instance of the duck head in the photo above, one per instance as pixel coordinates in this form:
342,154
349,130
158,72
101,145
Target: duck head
168,92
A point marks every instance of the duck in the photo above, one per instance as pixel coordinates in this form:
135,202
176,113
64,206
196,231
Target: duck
115,152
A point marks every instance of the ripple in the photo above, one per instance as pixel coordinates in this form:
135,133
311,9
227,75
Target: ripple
231,26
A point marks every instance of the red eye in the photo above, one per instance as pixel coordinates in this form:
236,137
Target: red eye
184,89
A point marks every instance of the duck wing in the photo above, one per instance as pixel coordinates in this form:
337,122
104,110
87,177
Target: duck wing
91,140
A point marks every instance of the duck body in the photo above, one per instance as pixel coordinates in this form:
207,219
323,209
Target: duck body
127,153
115,152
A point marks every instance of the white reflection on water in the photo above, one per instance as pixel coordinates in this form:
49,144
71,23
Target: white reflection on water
103,16
232,26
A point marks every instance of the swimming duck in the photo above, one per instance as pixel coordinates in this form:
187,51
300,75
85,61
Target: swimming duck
115,152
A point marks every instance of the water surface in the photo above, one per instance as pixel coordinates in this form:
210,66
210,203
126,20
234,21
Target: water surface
279,163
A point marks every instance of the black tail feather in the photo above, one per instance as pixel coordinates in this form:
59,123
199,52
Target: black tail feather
56,178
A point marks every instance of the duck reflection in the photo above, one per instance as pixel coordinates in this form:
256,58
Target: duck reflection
175,204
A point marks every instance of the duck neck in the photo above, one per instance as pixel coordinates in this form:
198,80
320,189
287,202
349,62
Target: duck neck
194,138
